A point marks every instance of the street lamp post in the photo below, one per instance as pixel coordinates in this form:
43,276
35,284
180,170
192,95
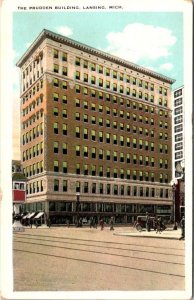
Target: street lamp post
174,184
77,207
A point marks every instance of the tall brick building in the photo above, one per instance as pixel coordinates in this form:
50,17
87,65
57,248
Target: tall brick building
97,125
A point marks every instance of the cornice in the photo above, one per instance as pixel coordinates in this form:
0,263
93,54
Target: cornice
83,47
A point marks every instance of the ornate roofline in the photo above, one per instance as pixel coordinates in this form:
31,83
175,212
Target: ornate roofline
60,38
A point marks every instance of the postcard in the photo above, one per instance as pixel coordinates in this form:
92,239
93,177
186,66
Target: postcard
96,149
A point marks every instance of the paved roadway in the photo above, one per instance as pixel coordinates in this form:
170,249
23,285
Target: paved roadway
73,259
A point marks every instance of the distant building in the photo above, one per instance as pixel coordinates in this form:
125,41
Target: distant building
18,187
178,141
96,126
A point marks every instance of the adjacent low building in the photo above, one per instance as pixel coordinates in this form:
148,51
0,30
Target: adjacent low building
94,128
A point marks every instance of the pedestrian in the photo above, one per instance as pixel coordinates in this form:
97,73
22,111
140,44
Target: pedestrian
68,223
95,222
111,223
182,225
159,224
49,222
91,222
31,222
155,221
147,221
102,224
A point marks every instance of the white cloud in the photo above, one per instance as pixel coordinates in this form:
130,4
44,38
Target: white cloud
64,30
139,41
166,66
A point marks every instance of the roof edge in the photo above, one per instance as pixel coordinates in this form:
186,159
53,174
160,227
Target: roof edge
47,33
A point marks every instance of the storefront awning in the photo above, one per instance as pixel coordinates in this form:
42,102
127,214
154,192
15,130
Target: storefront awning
39,215
26,216
30,215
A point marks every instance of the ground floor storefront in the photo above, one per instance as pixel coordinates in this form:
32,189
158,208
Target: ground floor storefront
68,212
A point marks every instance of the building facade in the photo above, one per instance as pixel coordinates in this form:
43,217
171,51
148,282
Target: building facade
178,152
95,125
18,187
178,132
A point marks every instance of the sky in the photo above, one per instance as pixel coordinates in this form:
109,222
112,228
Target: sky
152,40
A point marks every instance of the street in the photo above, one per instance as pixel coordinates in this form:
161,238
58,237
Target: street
73,259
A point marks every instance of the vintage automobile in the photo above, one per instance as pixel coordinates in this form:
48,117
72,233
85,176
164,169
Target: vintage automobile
140,223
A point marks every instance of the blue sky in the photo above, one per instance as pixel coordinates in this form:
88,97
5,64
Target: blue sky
153,40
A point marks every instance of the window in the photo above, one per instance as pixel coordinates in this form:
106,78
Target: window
93,67
178,102
107,72
77,61
108,189
93,134
64,99
108,154
64,166
56,147
100,82
134,143
77,168
100,121
77,88
64,71
77,132
100,135
178,119
64,129
77,116
93,170
85,118
178,110
55,128
56,68
56,166
93,152
64,149
100,69
179,146
108,137
114,87
85,151
115,173
55,96
178,128
85,169
100,171
115,156
85,64
64,185
64,85
55,111
85,77
55,82
64,56
77,149
64,113
85,133
114,74
93,80
56,185
100,153
77,75
108,172
86,187
55,53
115,189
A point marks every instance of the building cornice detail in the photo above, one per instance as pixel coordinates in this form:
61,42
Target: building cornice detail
59,38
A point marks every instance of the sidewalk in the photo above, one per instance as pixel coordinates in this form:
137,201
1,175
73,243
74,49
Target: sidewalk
169,233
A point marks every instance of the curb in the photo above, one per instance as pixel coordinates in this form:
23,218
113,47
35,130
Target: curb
148,236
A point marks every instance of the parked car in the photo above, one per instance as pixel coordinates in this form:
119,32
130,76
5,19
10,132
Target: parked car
140,223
